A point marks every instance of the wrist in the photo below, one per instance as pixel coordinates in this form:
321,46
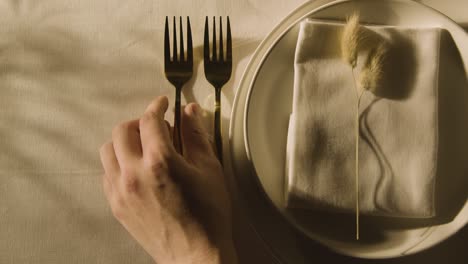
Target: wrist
219,250
201,250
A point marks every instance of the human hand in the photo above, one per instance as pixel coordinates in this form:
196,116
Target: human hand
176,207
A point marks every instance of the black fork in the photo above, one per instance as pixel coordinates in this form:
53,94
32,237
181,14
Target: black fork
218,68
178,70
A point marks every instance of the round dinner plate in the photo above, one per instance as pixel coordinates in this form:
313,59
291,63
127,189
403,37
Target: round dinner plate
258,133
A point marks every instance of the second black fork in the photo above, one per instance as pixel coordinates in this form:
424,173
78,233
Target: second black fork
218,68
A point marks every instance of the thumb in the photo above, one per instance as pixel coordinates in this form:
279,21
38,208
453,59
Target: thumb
194,135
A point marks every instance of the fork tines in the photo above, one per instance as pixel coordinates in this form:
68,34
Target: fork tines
180,57
218,55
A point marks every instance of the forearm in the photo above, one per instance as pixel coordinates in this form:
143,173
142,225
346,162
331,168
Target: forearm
225,255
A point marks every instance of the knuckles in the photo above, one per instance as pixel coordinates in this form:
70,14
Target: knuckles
157,166
130,181
125,194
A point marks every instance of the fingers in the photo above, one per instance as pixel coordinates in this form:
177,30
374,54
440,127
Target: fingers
194,135
109,161
127,143
155,137
169,128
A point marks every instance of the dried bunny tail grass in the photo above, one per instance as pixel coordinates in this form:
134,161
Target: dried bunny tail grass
350,40
371,74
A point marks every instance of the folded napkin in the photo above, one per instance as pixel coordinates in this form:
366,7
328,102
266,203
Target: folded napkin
398,124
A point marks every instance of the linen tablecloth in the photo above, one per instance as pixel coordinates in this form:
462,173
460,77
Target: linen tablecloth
70,71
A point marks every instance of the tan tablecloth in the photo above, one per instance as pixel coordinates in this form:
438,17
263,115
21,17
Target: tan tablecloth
70,71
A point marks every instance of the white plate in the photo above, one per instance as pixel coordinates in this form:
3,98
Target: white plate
259,120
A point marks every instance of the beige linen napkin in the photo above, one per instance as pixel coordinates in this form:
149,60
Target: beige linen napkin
398,124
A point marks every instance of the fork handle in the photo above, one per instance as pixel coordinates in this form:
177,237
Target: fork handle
177,139
217,125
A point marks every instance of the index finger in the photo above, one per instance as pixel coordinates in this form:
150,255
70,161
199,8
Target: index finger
154,134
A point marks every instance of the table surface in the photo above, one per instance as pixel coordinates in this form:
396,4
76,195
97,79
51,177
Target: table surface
70,71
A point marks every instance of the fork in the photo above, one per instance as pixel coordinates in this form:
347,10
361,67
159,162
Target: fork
218,70
178,70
